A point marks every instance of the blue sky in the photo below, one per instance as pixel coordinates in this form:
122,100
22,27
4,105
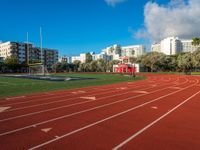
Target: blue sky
73,26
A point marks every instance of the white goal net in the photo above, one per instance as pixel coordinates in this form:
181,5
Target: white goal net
38,69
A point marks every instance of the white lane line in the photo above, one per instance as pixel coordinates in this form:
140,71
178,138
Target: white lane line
121,88
20,108
9,98
69,115
47,98
63,96
82,91
176,88
74,104
2,109
79,103
103,120
43,96
78,92
153,123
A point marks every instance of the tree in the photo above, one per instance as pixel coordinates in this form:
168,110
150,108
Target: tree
109,66
132,60
88,58
12,63
76,64
196,59
57,67
171,62
185,62
101,65
93,66
152,61
2,67
144,61
196,42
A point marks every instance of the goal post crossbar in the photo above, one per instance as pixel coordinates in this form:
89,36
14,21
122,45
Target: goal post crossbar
38,69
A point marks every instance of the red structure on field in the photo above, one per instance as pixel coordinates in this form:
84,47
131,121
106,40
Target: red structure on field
124,68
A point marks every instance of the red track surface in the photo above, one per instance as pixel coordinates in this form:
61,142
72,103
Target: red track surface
161,112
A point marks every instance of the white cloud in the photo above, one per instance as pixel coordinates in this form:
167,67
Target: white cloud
177,18
113,3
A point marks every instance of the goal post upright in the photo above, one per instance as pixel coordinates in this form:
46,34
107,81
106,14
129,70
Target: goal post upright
42,54
27,40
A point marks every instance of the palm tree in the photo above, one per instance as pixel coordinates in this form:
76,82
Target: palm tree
196,42
76,64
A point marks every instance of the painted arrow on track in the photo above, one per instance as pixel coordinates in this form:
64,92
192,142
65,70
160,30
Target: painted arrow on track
2,109
141,92
90,98
154,107
46,130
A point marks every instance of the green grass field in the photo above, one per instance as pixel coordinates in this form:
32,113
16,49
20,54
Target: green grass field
15,86
180,73
195,73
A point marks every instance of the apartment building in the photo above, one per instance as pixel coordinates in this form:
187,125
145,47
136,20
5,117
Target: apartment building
187,46
50,57
133,50
15,49
111,52
62,59
34,55
115,52
27,53
156,47
173,45
81,58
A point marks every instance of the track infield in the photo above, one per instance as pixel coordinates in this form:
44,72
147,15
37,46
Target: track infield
161,112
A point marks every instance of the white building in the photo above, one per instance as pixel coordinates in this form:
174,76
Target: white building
14,49
74,58
170,46
23,51
187,46
156,47
173,45
133,50
81,58
112,52
62,59
69,60
96,56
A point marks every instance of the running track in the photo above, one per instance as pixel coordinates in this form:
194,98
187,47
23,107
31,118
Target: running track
161,112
